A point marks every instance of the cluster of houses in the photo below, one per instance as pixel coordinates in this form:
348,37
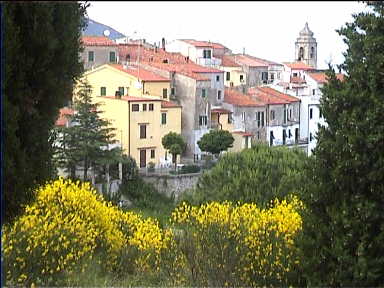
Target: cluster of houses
191,87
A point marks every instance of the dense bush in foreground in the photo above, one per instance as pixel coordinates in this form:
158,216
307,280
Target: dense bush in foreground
67,226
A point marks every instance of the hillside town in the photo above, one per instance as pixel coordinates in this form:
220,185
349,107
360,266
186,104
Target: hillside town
192,86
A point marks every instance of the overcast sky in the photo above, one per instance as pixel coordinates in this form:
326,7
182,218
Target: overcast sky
265,29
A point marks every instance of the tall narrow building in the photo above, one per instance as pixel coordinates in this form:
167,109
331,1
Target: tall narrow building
306,47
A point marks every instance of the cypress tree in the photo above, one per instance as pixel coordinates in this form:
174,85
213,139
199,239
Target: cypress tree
345,234
41,57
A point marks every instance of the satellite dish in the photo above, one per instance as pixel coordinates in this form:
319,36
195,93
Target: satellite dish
106,33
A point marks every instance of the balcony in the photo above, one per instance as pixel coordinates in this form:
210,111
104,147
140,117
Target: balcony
209,62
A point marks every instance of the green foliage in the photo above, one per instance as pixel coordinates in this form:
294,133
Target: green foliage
85,142
41,48
344,236
255,175
147,200
187,169
216,141
174,143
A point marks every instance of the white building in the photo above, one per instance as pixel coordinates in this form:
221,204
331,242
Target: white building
204,53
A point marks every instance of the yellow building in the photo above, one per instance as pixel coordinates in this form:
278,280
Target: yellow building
234,75
107,79
141,119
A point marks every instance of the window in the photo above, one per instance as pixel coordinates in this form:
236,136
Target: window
320,113
258,119
203,93
313,91
91,56
144,107
243,116
173,91
290,113
228,76
262,119
312,52
294,74
310,113
301,54
163,118
278,75
230,118
112,57
121,90
165,61
285,116
135,107
264,76
272,76
218,94
165,93
128,58
258,135
217,78
203,120
103,91
152,153
272,114
241,78
310,137
143,131
151,107
207,54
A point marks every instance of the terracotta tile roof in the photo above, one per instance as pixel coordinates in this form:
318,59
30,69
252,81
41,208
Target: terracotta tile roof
250,61
133,99
63,120
228,61
169,104
190,69
242,133
271,96
321,77
141,74
298,66
157,55
220,110
203,43
97,41
237,98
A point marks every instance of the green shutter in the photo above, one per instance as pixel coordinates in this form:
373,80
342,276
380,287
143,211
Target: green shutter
103,91
112,57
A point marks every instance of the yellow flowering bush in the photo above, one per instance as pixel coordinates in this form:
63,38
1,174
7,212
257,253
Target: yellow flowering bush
232,245
67,224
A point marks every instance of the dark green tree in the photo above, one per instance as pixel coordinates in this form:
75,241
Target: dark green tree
86,142
41,61
216,141
257,175
175,144
345,234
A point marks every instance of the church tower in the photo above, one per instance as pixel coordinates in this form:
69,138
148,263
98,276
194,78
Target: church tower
306,47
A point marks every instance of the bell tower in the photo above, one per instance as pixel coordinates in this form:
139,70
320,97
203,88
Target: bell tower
306,47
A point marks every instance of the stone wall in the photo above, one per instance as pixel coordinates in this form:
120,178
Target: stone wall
172,185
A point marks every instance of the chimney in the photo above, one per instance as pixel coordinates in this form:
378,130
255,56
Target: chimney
163,43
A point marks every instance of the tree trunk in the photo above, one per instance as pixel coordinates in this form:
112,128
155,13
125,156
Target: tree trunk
85,169
174,159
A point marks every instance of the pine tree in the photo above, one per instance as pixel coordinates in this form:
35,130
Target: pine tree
345,234
87,140
41,61
216,141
